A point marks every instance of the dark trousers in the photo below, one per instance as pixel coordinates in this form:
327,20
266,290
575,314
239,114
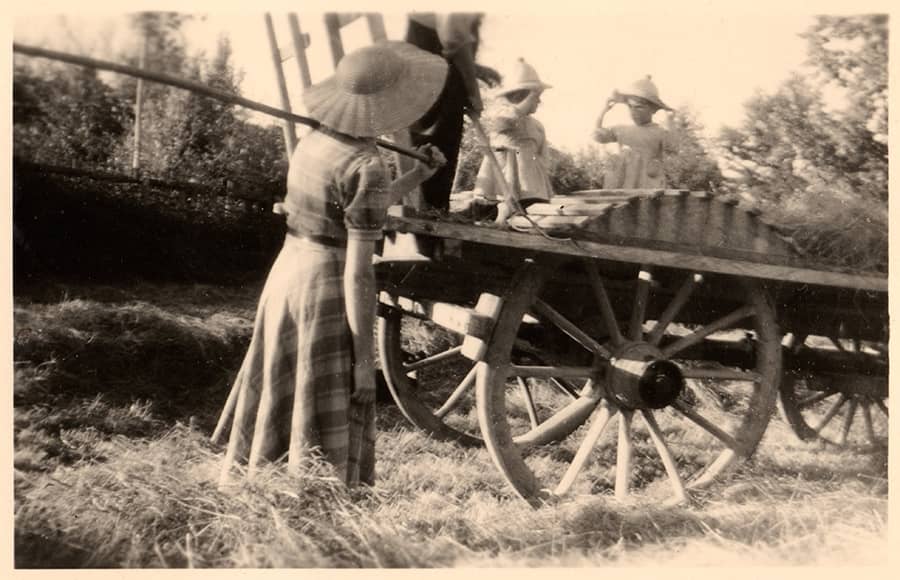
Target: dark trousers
442,126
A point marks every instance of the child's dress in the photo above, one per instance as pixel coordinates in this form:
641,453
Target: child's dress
524,138
639,164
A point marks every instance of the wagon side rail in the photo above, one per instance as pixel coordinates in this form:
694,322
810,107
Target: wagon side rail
667,228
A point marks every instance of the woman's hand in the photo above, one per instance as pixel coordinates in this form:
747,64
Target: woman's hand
436,161
363,383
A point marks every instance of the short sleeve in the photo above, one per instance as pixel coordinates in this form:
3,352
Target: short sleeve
366,198
455,30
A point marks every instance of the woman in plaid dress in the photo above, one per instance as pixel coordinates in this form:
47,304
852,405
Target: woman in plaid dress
307,382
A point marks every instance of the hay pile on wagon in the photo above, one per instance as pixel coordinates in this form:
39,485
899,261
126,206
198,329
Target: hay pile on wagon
850,234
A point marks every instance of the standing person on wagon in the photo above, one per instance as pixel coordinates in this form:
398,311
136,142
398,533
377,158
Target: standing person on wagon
520,143
307,383
640,163
455,37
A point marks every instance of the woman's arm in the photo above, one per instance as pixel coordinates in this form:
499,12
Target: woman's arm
419,173
359,296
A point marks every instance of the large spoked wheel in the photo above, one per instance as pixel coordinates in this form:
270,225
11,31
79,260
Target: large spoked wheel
682,415
433,383
846,409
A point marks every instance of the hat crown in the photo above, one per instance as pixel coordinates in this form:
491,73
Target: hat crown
524,74
644,88
369,70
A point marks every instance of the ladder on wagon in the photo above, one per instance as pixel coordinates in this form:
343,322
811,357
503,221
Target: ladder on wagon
300,42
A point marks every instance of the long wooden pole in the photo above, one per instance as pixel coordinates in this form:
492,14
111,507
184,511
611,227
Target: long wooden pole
138,106
196,87
290,135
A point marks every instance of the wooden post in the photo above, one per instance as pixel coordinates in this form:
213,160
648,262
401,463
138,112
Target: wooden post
333,27
138,106
290,136
301,42
376,26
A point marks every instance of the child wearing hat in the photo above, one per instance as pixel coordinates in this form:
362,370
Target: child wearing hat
307,383
519,144
640,165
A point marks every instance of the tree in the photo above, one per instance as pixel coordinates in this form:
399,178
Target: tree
66,116
796,141
687,162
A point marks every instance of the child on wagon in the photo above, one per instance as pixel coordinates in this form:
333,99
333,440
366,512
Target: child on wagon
640,165
519,145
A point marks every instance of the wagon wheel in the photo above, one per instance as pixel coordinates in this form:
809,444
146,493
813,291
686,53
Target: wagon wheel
433,384
696,418
847,410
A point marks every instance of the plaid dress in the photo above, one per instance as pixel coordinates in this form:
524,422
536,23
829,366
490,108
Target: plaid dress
296,379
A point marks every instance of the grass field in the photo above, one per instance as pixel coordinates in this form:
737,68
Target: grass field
118,388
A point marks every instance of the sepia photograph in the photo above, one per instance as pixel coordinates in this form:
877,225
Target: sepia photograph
590,286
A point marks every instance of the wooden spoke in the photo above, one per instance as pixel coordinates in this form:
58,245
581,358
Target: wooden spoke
798,343
831,413
867,421
715,326
599,421
569,327
674,307
721,373
456,396
560,424
707,426
882,406
848,422
606,309
433,359
529,402
837,343
551,372
815,398
665,455
624,453
564,387
636,325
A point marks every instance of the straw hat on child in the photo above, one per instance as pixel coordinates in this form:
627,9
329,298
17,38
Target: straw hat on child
523,77
645,89
378,89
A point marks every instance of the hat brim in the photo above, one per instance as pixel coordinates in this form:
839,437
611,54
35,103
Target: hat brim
387,111
539,86
653,100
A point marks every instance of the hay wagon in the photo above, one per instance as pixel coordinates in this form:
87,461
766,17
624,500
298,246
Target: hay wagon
678,315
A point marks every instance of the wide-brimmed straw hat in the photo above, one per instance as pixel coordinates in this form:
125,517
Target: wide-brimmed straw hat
645,89
523,77
378,89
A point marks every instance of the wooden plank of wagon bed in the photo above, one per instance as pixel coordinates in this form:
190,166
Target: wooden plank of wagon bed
639,255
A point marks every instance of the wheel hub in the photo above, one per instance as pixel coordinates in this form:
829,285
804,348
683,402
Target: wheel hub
639,378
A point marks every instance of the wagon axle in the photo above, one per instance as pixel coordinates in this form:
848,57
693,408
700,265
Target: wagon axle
639,379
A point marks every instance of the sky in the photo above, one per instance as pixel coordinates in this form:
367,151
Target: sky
708,59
